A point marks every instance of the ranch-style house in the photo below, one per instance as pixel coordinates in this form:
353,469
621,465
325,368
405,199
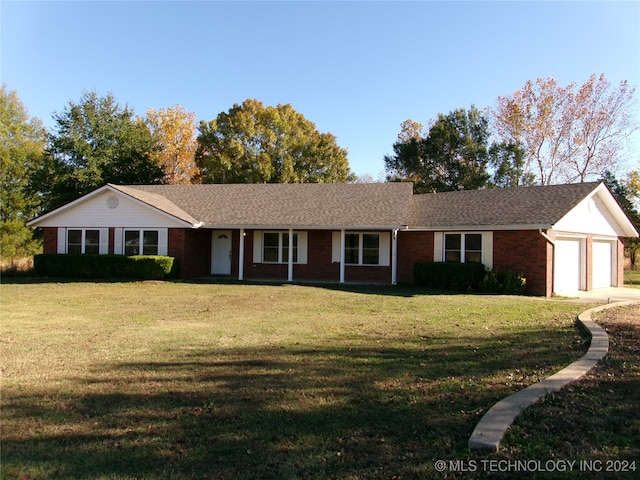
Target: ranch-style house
561,238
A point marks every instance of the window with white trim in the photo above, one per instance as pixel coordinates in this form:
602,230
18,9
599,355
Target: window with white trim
362,249
275,247
141,242
83,241
463,247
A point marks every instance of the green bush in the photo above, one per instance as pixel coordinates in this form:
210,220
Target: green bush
503,282
459,277
141,267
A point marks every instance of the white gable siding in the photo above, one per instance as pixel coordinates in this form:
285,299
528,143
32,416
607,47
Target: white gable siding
96,212
590,216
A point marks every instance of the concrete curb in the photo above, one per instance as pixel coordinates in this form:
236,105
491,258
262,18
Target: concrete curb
493,425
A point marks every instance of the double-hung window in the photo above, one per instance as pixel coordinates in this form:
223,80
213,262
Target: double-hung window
463,247
275,247
362,249
83,240
141,242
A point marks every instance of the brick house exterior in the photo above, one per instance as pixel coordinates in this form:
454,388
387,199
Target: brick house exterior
559,237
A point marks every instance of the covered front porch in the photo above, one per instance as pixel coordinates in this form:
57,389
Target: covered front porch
294,255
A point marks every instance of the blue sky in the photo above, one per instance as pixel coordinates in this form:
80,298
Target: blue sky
356,69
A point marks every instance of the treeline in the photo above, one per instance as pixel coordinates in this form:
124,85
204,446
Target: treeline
541,134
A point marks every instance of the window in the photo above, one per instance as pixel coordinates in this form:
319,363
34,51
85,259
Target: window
362,249
473,248
452,247
135,239
275,247
83,241
461,247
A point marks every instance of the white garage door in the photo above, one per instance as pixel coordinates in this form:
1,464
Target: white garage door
567,261
602,264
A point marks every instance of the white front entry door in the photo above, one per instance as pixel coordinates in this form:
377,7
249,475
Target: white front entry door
221,252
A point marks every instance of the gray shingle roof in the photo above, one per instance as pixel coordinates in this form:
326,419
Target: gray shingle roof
314,205
540,206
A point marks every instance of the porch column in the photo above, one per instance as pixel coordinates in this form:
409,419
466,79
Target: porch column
394,257
342,243
290,259
241,256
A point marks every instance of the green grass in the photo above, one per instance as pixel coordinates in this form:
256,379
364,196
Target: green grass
596,419
178,380
632,278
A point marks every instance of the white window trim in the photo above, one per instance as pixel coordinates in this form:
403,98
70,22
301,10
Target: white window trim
384,245
119,239
486,257
258,250
281,258
103,239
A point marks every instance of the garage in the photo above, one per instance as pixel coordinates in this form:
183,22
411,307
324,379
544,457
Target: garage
568,263
602,259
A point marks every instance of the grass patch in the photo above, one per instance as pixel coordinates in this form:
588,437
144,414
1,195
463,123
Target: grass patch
595,419
632,278
176,380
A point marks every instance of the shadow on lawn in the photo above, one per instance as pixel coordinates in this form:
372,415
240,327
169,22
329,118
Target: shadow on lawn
275,412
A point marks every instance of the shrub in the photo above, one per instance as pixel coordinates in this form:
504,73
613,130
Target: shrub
507,283
458,277
140,267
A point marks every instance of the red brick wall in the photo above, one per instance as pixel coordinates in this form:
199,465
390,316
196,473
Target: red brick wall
192,249
526,252
319,267
413,247
50,240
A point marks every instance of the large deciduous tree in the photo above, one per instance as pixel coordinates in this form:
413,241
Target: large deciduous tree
174,130
453,156
569,133
22,143
252,143
96,141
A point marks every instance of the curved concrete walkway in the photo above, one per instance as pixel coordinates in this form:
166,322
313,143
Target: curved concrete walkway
493,425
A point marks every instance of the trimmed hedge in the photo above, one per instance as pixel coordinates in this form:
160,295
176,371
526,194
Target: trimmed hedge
459,277
141,267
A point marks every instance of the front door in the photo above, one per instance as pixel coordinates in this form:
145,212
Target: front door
221,252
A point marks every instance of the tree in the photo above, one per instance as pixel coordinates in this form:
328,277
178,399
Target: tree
601,123
508,162
567,134
453,156
626,193
96,141
22,143
252,143
174,130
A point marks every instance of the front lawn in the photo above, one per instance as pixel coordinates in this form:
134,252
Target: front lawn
186,381
632,278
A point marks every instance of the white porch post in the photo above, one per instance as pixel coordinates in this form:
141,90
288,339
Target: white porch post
394,257
290,259
342,257
241,256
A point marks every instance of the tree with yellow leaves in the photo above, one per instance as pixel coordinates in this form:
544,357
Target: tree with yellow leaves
174,130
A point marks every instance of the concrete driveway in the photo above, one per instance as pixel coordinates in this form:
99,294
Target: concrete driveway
607,295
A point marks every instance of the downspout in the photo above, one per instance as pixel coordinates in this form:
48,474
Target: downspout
547,237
